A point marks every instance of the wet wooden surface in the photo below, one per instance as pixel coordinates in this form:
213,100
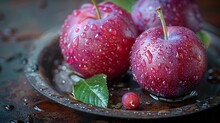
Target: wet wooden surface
21,23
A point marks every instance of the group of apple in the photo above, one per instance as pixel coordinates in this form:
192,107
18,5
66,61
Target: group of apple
107,39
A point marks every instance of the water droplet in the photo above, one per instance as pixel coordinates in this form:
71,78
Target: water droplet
52,94
213,79
121,12
87,41
192,108
38,109
25,101
196,77
149,56
75,78
63,82
107,9
24,61
103,28
60,97
139,15
16,121
99,36
9,107
177,55
214,72
167,69
112,31
153,70
83,34
150,8
93,27
86,27
43,88
164,82
76,12
142,76
153,83
34,68
160,52
163,112
74,43
77,30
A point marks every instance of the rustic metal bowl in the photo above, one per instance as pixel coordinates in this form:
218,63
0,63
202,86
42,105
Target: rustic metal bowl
48,74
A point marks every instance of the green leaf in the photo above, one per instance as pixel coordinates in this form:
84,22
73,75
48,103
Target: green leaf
204,38
92,91
125,4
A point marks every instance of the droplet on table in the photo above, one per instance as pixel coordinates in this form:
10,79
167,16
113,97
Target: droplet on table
9,107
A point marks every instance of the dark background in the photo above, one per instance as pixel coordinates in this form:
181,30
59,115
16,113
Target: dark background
24,21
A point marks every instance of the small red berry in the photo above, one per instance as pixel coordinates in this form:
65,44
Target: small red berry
130,100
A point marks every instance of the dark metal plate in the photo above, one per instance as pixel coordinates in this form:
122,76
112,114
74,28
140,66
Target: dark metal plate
48,73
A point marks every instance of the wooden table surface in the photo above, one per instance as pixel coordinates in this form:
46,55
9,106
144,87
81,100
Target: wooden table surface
21,23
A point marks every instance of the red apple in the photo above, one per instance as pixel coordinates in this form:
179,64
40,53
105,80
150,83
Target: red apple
170,66
176,13
97,40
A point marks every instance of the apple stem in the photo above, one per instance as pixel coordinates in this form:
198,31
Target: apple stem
160,13
97,10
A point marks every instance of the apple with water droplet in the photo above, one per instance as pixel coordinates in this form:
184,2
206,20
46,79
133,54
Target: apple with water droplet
98,39
168,61
176,13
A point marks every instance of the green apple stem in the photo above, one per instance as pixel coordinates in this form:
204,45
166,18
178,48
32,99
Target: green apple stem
160,13
97,10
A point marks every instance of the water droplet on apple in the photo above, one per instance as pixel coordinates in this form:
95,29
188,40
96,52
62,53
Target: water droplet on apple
75,42
150,8
142,76
177,55
153,70
76,12
153,83
138,54
139,15
149,56
160,52
121,12
119,49
103,28
107,9
83,34
196,77
75,59
77,30
86,27
93,27
99,36
87,41
167,69
112,31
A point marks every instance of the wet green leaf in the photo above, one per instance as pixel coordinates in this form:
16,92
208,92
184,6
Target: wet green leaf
204,38
125,4
92,91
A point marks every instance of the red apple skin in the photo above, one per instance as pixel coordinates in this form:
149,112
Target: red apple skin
92,46
168,68
176,13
